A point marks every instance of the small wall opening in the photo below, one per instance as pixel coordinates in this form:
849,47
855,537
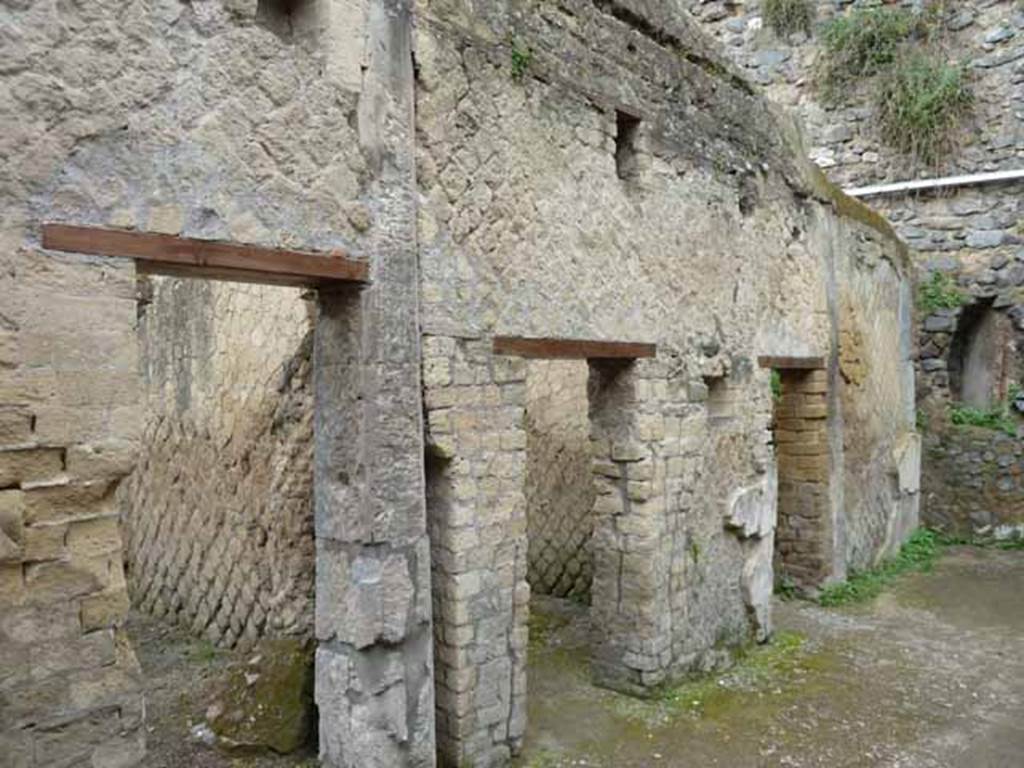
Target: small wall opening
627,133
721,402
982,357
800,432
288,19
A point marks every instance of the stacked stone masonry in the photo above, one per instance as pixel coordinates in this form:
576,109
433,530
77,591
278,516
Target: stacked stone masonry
477,445
528,228
802,451
70,692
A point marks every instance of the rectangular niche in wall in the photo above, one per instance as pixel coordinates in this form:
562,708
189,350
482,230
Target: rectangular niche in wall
982,356
288,19
627,133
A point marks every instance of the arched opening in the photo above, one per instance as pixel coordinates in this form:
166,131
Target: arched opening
981,357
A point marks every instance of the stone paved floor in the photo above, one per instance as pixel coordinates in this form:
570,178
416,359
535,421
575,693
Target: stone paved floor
928,675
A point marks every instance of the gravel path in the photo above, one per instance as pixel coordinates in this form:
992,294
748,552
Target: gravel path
928,675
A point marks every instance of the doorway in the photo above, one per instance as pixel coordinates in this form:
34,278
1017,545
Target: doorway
800,434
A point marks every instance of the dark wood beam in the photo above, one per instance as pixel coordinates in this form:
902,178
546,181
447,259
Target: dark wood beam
217,260
791,363
571,349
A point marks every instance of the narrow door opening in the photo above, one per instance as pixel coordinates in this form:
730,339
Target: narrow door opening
218,522
800,431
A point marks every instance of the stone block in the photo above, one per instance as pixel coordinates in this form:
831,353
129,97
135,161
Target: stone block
364,596
628,451
12,516
68,501
107,460
94,538
12,584
45,542
58,581
104,609
30,465
15,426
51,657
268,702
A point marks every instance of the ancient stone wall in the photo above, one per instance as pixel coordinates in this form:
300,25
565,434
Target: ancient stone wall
970,234
570,190
218,513
974,481
972,475
559,482
257,121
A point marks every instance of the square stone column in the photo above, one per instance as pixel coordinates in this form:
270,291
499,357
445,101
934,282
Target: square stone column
374,675
477,510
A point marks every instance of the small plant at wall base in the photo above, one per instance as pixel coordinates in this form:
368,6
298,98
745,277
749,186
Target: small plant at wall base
918,554
921,103
997,418
787,17
939,292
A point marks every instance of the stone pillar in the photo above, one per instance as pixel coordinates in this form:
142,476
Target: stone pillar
477,508
630,609
374,676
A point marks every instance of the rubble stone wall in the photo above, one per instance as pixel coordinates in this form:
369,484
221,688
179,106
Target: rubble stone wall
218,513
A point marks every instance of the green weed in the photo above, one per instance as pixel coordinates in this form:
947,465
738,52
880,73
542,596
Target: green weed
787,17
203,652
776,385
921,102
860,44
921,421
786,589
521,58
939,292
918,554
756,668
997,418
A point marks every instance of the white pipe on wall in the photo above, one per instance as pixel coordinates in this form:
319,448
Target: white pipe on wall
948,181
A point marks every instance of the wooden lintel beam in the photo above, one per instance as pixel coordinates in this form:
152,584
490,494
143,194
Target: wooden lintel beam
571,349
791,363
187,257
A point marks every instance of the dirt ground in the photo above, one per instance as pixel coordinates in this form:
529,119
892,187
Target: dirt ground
179,672
928,675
